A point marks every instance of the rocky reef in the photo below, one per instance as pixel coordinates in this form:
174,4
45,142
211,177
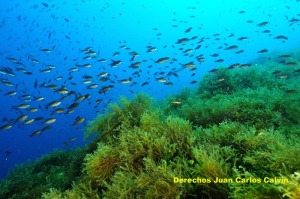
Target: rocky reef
235,136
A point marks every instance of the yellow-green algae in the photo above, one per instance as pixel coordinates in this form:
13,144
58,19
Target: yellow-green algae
240,123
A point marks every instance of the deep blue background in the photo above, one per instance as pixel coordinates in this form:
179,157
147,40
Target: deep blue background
25,27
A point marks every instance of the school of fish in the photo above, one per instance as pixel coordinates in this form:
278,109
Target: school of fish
145,69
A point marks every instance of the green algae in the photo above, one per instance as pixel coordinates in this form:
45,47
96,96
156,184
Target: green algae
238,124
58,169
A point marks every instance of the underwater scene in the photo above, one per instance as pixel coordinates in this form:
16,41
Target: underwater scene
149,99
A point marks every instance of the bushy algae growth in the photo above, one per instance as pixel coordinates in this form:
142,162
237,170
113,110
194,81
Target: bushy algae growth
58,169
236,136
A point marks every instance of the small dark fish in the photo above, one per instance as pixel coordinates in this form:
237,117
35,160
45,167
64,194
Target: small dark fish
188,30
182,41
92,86
78,121
151,49
245,65
188,51
38,118
46,128
35,133
290,63
74,105
237,65
176,102
219,60
46,50
243,38
11,93
33,60
282,76
263,51
7,71
233,47
213,70
115,63
145,83
135,65
199,46
126,81
11,59
45,4
21,118
22,106
263,24
200,59
161,79
5,127
49,121
189,65
133,53
35,83
285,56
162,60
281,37
294,20
169,83
266,31
53,104
240,51
133,57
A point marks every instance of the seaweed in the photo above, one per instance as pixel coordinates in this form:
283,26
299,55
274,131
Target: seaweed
235,132
56,170
124,114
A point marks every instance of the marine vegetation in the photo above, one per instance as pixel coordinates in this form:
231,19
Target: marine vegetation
235,136
58,169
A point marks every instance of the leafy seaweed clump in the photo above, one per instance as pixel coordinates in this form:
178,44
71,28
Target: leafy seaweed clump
126,114
56,170
266,101
81,189
148,148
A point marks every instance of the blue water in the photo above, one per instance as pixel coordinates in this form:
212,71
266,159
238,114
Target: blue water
68,27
